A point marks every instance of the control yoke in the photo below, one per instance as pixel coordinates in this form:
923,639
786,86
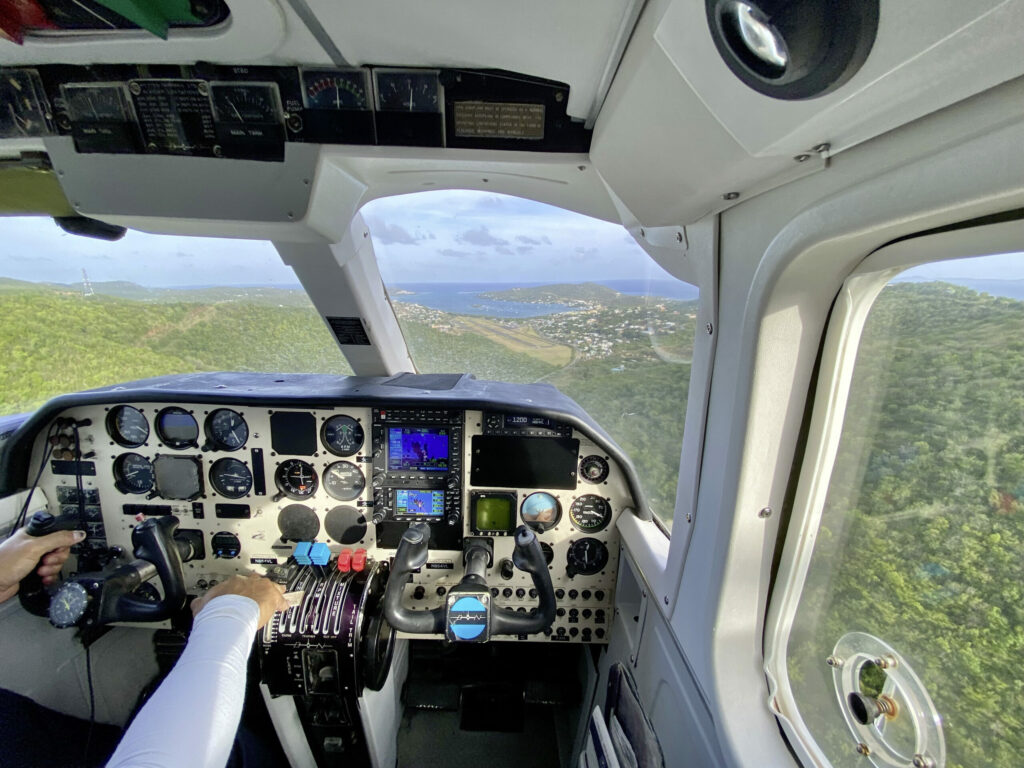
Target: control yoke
110,595
469,614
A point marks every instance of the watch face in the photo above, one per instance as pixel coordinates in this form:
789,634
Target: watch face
408,91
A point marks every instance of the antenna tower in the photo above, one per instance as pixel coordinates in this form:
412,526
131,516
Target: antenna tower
86,285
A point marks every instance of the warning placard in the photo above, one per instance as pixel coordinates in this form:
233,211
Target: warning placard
496,120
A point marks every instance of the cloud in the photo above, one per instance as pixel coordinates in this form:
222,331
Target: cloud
503,250
480,236
524,248
392,234
455,254
527,240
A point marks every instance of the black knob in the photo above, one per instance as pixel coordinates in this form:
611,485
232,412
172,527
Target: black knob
573,594
560,612
586,613
453,519
379,516
533,593
559,593
520,593
599,594
507,569
440,591
585,594
574,612
573,631
599,632
453,482
419,592
561,632
506,592
494,591
586,633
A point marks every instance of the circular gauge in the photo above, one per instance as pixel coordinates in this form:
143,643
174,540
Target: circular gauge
541,511
127,426
346,525
590,513
296,479
226,430
586,557
407,91
133,473
177,428
594,469
342,435
297,522
225,545
344,481
245,103
335,89
69,605
230,478
549,553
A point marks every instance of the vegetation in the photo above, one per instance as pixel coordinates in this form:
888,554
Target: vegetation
922,535
923,530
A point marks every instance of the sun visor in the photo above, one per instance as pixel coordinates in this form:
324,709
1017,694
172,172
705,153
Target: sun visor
29,187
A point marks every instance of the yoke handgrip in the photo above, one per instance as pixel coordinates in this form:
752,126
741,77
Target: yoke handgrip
412,553
32,592
153,541
528,556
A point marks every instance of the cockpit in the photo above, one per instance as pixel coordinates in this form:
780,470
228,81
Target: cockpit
561,366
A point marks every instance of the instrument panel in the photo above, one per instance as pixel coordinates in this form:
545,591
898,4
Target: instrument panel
255,483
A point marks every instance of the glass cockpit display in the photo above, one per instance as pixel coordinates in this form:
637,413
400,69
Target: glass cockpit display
411,503
418,449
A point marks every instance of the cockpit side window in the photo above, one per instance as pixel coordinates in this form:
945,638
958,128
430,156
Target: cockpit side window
516,290
904,645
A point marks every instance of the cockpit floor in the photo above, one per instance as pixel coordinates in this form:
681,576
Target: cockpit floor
434,739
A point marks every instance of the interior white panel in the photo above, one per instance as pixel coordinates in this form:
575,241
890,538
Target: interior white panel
569,41
928,54
255,32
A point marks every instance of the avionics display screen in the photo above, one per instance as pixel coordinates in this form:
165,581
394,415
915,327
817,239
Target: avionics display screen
524,462
493,513
409,503
418,449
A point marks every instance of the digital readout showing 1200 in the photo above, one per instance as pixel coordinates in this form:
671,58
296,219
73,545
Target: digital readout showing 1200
409,503
527,421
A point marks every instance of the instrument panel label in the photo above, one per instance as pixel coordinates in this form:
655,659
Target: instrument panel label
494,120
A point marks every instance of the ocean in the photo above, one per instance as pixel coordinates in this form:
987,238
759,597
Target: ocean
465,298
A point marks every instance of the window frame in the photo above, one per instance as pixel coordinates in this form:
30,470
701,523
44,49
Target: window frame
841,343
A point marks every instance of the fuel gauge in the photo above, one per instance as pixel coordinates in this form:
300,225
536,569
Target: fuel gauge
335,89
246,102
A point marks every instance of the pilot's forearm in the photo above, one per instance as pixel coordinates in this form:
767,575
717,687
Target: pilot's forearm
193,716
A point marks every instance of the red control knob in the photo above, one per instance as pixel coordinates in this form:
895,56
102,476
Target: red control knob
345,561
359,560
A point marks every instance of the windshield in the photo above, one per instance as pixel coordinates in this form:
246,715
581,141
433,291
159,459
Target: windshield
520,291
82,313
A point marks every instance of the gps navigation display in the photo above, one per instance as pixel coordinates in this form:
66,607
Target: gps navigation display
418,449
409,503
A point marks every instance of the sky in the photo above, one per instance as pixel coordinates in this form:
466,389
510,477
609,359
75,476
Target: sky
438,236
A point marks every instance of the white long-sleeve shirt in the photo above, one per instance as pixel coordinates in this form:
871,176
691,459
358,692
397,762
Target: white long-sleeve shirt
192,718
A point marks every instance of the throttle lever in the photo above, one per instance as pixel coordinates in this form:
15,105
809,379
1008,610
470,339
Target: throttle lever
32,593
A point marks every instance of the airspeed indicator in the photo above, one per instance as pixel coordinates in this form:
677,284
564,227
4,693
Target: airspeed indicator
590,513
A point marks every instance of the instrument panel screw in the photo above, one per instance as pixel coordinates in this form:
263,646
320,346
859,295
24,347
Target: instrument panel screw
765,512
834,661
802,158
203,88
679,237
709,328
923,761
217,151
863,749
730,195
135,88
559,96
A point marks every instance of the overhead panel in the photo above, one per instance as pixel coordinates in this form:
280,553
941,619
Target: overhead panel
570,41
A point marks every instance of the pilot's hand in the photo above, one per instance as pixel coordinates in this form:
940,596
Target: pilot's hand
21,553
268,595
